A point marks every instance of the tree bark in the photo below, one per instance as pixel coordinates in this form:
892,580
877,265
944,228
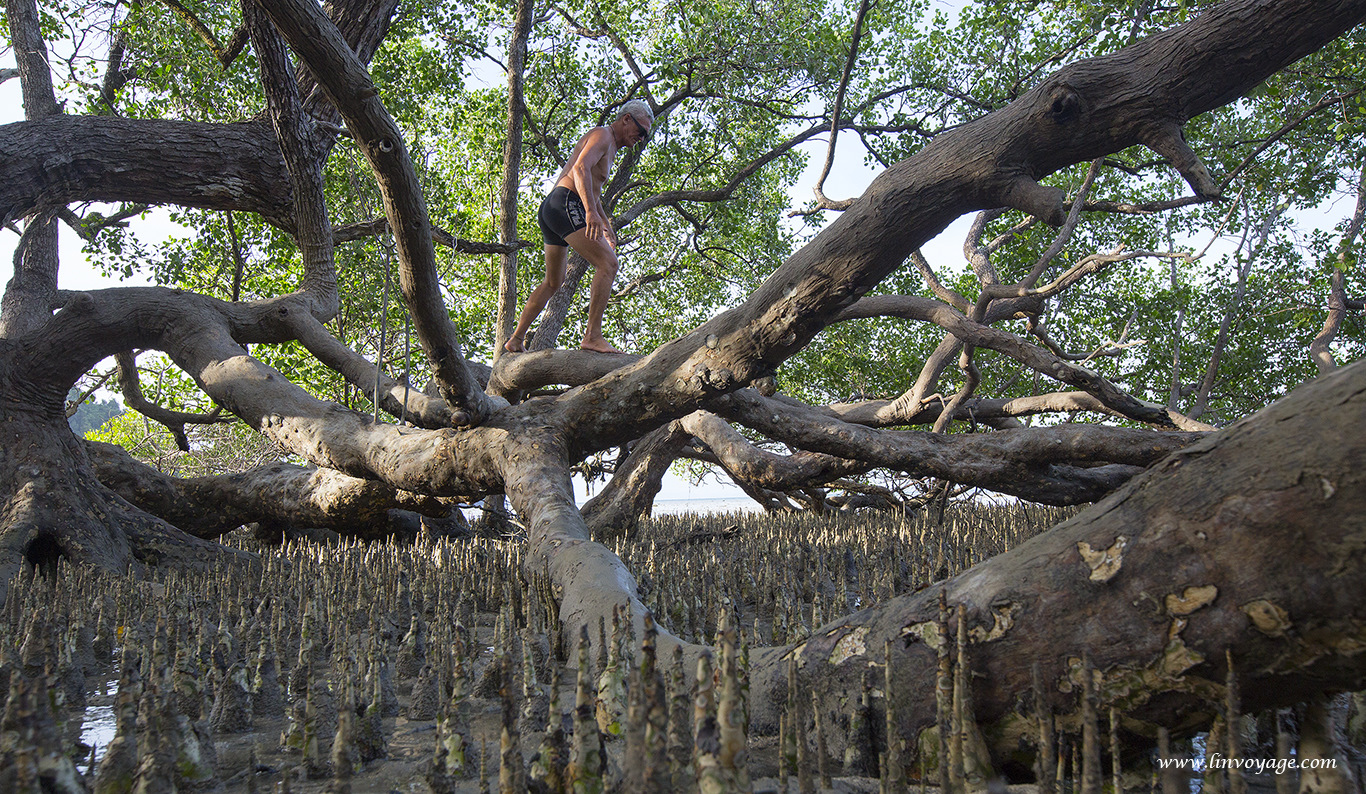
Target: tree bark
30,294
70,159
300,496
1248,542
52,506
512,166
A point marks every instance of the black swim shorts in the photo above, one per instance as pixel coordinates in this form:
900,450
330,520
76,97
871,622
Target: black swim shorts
560,215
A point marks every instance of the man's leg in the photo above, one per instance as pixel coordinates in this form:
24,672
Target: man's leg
604,261
555,258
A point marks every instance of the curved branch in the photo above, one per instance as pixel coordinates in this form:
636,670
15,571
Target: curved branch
130,385
822,201
757,467
875,413
941,292
1319,348
204,337
630,494
528,371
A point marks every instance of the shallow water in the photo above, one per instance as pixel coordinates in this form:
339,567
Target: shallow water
97,726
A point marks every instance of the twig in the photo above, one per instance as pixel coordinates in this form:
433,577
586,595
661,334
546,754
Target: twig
822,200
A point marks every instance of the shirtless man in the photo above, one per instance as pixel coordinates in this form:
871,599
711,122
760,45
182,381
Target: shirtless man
572,217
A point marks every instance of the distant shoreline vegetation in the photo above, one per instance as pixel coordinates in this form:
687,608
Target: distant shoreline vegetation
91,415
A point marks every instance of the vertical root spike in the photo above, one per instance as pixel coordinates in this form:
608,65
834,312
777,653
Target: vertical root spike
1091,769
1046,758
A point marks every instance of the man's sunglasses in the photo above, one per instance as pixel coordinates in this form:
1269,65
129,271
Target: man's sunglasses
640,128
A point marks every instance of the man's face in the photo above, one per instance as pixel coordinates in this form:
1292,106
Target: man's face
641,131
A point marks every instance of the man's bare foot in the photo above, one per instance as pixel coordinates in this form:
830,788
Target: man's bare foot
598,345
514,345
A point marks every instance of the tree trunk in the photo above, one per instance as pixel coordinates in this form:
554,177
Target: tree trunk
512,165
1248,542
52,507
29,296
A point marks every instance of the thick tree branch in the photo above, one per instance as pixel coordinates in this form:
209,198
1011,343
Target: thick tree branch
204,337
395,398
105,158
630,494
1217,516
208,507
758,467
115,76
343,78
528,371
363,24
304,151
876,413
1039,464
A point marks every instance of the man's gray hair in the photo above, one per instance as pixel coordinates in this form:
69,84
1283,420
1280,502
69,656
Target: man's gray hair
640,110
